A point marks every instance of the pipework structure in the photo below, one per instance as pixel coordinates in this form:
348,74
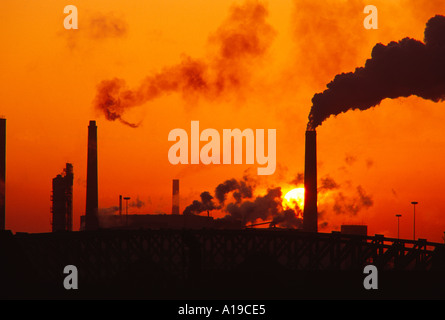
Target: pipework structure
62,200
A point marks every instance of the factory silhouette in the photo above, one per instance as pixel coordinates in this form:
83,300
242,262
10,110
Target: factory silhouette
62,201
193,256
188,256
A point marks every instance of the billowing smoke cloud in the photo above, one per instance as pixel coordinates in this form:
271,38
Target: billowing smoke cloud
299,179
399,69
238,189
244,208
241,189
242,38
352,205
327,183
289,218
237,199
341,198
262,207
205,205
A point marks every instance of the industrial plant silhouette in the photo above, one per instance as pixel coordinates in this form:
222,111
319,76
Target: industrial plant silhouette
187,256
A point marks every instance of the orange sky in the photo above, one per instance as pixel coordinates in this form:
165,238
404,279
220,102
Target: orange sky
393,152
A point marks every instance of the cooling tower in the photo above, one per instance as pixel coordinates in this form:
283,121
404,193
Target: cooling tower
175,197
91,212
2,172
310,214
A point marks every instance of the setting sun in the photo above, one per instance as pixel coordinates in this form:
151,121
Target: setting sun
294,196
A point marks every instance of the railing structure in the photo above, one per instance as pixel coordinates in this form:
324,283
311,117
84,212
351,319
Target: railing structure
107,255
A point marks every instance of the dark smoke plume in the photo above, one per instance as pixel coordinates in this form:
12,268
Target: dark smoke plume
352,205
205,205
299,179
399,69
289,218
262,207
242,38
327,183
245,208
240,189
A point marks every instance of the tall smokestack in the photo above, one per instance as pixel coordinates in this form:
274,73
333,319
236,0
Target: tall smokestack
2,171
175,197
310,214
69,177
91,212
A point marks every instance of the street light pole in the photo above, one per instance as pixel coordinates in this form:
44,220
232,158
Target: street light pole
414,219
398,220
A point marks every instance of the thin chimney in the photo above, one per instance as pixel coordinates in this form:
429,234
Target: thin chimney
120,205
2,172
175,197
310,213
91,212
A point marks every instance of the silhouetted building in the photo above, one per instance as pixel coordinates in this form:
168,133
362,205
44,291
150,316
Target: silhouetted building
155,221
2,172
62,200
360,230
162,221
91,212
310,214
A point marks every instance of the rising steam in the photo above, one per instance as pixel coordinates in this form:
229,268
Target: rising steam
242,38
399,69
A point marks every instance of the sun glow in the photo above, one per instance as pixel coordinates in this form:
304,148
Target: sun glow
294,197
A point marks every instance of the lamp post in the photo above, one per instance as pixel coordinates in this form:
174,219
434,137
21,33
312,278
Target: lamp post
414,219
398,220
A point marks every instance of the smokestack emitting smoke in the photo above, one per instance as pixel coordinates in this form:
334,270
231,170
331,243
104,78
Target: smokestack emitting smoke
91,212
175,197
310,214
399,69
242,38
2,172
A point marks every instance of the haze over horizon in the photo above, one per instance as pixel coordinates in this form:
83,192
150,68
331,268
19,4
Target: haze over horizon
372,164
